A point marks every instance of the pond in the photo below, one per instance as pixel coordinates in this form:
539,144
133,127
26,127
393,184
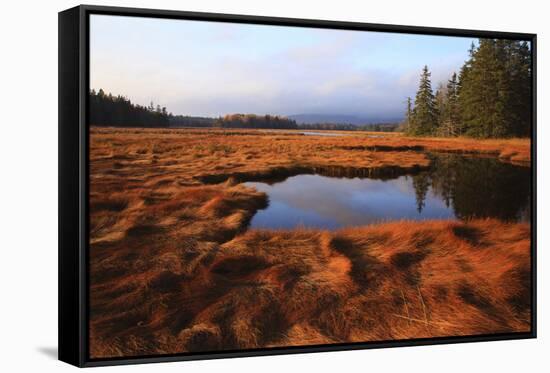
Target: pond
454,187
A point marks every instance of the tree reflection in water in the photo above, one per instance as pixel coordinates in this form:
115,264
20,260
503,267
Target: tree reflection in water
476,187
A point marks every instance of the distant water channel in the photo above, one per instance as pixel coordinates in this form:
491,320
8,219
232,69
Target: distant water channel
329,134
322,133
455,187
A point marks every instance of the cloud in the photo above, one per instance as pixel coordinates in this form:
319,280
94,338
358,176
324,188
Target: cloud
205,68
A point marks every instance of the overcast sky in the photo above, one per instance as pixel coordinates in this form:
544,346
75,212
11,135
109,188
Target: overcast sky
211,69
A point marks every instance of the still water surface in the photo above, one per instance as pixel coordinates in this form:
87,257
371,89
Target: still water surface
454,187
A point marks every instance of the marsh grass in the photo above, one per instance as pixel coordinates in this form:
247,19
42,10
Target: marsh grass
174,267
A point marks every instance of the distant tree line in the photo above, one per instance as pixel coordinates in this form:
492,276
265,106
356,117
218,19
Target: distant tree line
373,127
327,126
255,121
490,97
234,121
271,122
118,111
190,121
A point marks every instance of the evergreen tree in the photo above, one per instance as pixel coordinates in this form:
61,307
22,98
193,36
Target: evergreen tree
494,90
491,97
465,69
109,110
520,81
474,84
408,114
425,118
450,116
440,106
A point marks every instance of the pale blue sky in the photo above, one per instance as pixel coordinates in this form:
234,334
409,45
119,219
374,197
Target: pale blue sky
210,69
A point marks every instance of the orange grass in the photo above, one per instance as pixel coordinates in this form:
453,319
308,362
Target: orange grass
173,267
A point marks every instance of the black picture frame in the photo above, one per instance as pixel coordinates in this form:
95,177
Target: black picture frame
74,172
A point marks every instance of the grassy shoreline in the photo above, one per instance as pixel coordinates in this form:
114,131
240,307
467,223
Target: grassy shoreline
173,267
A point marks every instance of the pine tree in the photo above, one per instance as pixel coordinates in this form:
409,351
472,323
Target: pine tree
450,118
110,110
424,117
473,102
464,90
494,90
491,97
520,81
408,115
441,108
463,76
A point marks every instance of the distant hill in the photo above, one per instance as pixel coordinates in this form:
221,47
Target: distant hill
340,119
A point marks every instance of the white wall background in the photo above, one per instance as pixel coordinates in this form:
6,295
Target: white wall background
28,184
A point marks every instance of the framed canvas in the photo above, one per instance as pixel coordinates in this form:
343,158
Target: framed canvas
235,186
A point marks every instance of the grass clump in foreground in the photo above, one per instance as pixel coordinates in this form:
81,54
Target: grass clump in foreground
174,269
